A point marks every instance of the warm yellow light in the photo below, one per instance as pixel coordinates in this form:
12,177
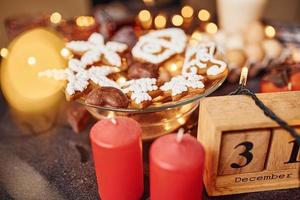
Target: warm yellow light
4,52
203,15
31,60
144,15
160,21
177,20
181,120
149,2
187,11
270,31
55,18
211,28
173,67
121,80
111,114
65,53
85,21
197,35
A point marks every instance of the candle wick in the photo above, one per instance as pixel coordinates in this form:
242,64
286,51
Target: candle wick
113,120
180,135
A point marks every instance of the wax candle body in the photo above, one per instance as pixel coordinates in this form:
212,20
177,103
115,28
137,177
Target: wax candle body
117,152
176,168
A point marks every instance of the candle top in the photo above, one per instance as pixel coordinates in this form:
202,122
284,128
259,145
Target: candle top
116,133
172,155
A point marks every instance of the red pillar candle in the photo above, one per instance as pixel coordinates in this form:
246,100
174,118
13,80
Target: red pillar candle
176,168
117,151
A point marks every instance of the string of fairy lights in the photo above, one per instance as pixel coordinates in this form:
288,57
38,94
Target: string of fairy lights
148,20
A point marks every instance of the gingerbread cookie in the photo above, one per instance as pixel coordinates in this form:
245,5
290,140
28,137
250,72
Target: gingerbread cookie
78,77
158,46
141,91
217,70
180,86
94,50
197,56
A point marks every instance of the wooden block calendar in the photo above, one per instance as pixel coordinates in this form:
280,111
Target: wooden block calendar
245,150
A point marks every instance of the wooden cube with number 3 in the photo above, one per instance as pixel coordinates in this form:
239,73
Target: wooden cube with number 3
245,150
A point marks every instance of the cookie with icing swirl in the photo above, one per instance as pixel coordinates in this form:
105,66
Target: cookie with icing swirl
158,46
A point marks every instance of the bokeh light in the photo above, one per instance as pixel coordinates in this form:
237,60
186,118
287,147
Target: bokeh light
270,31
211,28
31,60
187,11
197,35
203,15
4,52
55,18
160,21
85,21
144,15
65,53
177,20
149,2
121,80
173,67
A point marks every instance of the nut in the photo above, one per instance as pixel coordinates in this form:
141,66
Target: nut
107,96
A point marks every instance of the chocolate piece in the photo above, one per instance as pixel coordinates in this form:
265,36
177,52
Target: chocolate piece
107,96
142,70
125,35
78,118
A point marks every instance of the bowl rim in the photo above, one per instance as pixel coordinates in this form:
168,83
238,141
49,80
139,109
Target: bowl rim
166,106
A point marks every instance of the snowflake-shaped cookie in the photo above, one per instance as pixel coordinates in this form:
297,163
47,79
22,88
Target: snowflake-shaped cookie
75,74
78,77
141,91
95,49
179,85
157,46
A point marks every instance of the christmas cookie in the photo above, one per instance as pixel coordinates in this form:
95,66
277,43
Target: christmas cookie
158,46
180,86
95,50
141,91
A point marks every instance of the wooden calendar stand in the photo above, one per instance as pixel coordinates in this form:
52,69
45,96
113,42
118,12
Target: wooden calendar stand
245,150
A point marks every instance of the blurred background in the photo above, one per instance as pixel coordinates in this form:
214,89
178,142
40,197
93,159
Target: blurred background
15,14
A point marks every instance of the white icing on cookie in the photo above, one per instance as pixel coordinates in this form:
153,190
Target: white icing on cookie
94,49
197,56
181,83
77,82
116,46
157,46
79,47
99,76
78,77
76,65
217,68
139,89
140,97
91,57
194,80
